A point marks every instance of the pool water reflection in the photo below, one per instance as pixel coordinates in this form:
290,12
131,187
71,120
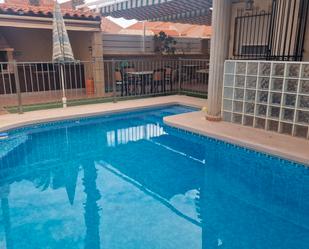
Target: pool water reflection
128,181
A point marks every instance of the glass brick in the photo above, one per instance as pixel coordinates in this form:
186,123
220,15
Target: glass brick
237,118
251,82
252,68
238,106
290,100
261,110
288,114
260,123
248,121
227,116
304,102
273,125
249,108
274,112
264,83
230,67
304,86
291,85
303,117
293,70
240,81
286,128
250,95
227,105
263,97
228,93
305,71
276,98
301,131
241,68
278,69
228,80
265,68
239,94
277,84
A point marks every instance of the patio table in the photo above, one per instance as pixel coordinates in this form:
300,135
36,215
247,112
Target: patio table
203,71
190,65
203,74
190,70
143,77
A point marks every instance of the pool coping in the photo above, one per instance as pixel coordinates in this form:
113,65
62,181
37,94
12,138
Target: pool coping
13,121
193,122
264,141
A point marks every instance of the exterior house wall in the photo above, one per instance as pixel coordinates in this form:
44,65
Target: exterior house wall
266,5
29,45
36,44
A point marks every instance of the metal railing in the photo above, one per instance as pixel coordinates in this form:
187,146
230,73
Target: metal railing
35,83
274,34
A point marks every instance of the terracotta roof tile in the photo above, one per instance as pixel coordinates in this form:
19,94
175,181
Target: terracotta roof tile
174,29
45,11
108,26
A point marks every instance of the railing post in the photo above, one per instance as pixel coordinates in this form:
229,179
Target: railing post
179,76
18,92
114,81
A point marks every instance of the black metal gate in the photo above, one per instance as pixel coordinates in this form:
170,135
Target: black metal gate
276,34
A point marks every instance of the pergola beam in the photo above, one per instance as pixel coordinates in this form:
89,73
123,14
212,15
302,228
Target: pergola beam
192,11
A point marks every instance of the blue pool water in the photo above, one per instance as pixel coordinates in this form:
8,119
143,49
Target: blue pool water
127,181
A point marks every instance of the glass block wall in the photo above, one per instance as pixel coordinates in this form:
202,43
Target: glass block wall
269,95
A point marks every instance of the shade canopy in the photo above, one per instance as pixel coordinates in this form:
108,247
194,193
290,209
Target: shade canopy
62,50
183,11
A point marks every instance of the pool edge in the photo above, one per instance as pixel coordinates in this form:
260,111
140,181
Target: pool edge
19,122
269,150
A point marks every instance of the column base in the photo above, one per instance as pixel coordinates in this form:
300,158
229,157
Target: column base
213,118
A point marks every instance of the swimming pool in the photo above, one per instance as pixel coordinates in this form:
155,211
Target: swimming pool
127,181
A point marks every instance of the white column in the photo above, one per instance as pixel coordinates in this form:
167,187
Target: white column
218,53
98,66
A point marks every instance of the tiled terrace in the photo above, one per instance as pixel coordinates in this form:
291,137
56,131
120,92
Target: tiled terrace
44,97
15,120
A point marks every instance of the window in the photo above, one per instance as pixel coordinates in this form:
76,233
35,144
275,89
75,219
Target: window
254,49
3,59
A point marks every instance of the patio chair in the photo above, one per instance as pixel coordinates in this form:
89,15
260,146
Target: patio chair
169,77
158,80
120,83
130,83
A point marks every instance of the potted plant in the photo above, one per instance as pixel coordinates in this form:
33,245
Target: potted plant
164,44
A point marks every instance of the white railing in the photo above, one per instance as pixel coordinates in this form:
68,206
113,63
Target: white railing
271,95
